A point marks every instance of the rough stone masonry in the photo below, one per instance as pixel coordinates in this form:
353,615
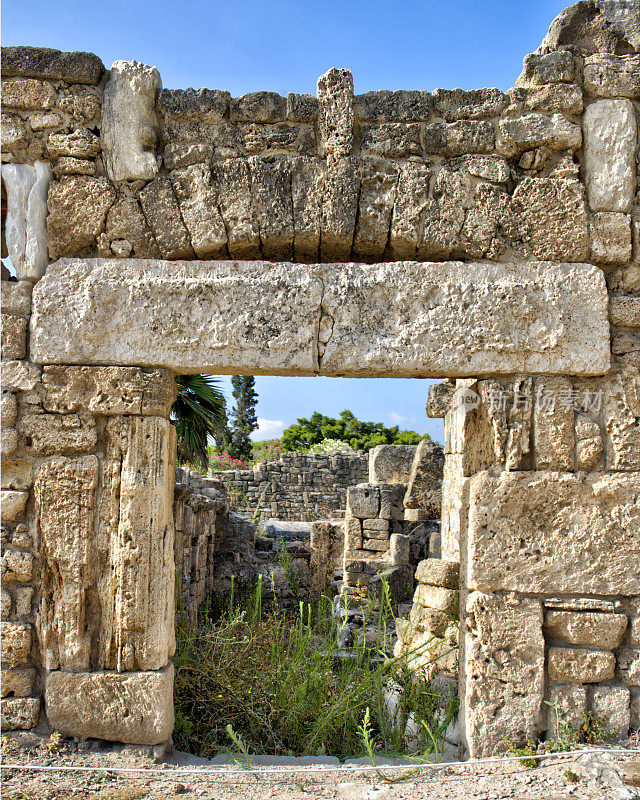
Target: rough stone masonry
487,236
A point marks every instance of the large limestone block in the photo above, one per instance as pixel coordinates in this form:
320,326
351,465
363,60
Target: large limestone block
606,75
391,463
403,319
570,665
16,297
554,436
20,713
550,532
78,207
65,492
52,434
134,707
538,130
621,410
135,540
108,391
162,212
610,141
503,673
130,125
49,64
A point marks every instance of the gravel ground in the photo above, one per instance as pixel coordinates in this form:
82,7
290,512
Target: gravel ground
609,776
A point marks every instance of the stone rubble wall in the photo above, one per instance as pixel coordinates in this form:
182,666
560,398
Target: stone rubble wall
417,175
297,487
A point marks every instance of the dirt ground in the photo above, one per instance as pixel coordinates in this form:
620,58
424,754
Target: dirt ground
574,776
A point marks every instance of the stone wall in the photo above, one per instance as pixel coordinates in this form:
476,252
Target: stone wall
541,498
297,487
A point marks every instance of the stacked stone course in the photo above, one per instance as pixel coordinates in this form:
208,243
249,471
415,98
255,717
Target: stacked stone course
297,487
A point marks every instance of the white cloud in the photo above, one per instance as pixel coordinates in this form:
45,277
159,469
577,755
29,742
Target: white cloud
268,429
398,419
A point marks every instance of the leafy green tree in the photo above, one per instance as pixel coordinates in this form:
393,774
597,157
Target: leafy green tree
347,428
198,412
244,418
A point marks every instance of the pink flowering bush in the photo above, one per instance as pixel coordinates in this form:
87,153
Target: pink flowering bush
222,460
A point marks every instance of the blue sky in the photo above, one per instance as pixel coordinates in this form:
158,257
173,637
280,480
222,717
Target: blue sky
283,46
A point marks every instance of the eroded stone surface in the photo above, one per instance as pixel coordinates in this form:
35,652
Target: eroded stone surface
424,489
610,140
189,317
570,665
51,434
587,628
504,667
552,532
129,121
391,463
134,707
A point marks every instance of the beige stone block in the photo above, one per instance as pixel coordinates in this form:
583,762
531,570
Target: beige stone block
610,238
17,567
130,707
570,665
635,712
607,75
589,443
550,214
424,489
20,713
28,94
336,112
455,507
437,572
24,599
553,425
567,704
6,604
550,532
13,504
427,620
611,704
503,675
8,409
375,545
80,143
610,139
135,536
108,390
65,491
9,444
367,337
14,336
629,666
15,644
519,133
15,297
17,682
621,412
20,376
51,434
78,206
400,548
436,597
16,474
391,463
590,629
375,525
130,125
624,311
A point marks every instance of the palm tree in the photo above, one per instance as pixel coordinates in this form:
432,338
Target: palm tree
198,412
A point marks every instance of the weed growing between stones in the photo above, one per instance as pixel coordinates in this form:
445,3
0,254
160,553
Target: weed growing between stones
280,683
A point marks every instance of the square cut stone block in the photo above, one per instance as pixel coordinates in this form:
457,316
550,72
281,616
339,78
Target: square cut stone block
610,238
570,665
17,682
612,705
130,707
363,501
15,644
554,533
396,319
590,629
436,597
437,572
14,336
567,704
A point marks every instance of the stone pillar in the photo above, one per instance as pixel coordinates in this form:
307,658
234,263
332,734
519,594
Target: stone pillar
91,532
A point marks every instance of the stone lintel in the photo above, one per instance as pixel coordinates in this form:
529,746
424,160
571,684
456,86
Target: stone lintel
401,319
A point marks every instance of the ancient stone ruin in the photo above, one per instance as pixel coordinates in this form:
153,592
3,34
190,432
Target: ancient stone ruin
491,238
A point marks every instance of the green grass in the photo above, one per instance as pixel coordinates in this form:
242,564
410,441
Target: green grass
281,684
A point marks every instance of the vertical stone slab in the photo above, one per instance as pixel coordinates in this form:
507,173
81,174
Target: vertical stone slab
65,491
130,124
502,683
336,105
610,140
137,631
554,437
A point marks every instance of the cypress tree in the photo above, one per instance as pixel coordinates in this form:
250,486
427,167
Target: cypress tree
244,418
